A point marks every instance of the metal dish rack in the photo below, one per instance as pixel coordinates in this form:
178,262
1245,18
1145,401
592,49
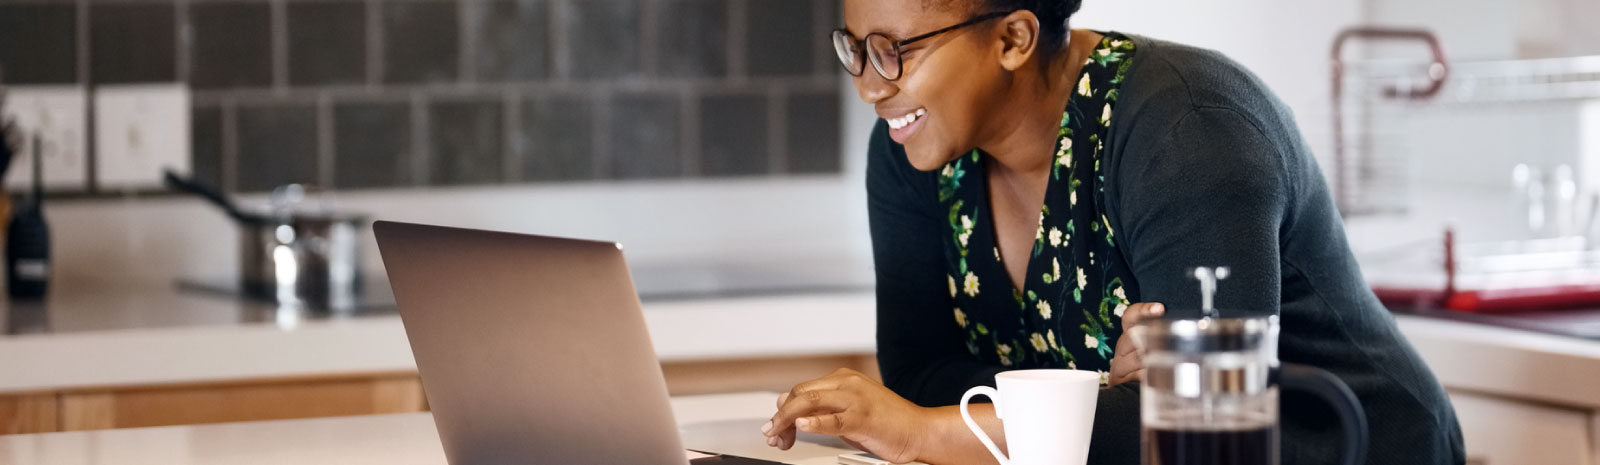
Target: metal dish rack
1371,173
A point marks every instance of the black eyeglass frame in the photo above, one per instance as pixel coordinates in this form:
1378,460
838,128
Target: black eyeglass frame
900,64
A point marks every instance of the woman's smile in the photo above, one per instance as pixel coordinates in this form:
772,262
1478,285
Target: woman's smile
902,127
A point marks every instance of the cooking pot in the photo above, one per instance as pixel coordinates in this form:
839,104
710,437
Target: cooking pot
295,253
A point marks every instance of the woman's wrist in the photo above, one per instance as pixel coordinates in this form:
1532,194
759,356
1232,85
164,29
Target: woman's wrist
925,427
943,437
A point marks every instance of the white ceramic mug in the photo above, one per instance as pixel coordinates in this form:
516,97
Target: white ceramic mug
1048,415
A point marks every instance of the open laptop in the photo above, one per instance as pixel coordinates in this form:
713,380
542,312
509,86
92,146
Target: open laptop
532,350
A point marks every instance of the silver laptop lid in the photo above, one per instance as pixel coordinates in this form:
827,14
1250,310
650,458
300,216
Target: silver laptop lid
532,350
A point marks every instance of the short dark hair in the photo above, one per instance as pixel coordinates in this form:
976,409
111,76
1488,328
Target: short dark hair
1053,16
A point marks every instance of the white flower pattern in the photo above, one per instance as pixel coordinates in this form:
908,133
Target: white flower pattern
1075,300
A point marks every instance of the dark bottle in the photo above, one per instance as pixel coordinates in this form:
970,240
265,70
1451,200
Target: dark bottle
28,241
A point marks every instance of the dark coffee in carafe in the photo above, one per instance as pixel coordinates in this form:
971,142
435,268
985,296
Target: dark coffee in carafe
1216,447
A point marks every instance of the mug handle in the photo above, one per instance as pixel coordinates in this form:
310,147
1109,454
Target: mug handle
1352,419
994,397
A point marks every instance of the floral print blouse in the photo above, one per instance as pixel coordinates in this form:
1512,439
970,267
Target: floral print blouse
1068,314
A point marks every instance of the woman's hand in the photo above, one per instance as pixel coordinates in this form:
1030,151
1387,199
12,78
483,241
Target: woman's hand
1128,363
854,407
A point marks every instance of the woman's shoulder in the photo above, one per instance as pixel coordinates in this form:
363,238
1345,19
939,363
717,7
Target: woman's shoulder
1173,80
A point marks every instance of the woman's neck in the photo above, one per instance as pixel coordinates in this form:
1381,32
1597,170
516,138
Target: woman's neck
1029,122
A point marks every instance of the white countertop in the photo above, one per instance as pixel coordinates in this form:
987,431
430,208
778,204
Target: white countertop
1508,362
725,423
236,344
226,340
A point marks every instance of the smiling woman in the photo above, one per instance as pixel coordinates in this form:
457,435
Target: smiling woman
1034,190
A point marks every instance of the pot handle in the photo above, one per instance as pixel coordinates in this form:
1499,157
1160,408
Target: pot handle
174,181
1321,383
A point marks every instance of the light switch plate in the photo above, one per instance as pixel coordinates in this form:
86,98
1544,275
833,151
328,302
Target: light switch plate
140,131
59,116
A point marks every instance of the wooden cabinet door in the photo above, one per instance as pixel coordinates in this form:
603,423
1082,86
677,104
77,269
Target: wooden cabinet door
1499,431
242,401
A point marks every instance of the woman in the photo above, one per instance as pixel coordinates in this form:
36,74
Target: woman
1008,233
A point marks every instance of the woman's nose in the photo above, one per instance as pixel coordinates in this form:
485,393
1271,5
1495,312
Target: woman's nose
873,88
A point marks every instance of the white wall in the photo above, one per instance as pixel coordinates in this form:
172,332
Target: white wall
661,223
1286,43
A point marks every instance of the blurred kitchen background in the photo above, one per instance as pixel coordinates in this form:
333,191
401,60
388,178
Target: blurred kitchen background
721,143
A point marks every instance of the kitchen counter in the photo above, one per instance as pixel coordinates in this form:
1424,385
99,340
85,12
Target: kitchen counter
105,335
726,423
108,335
1523,396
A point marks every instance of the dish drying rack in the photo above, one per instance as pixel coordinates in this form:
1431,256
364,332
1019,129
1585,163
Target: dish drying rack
1560,271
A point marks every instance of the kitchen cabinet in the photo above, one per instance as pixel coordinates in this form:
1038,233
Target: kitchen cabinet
28,413
1521,397
138,406
109,407
239,401
1501,431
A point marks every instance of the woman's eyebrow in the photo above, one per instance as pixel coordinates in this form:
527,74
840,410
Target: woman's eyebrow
891,34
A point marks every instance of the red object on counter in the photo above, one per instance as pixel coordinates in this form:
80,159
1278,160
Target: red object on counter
1526,299
1501,300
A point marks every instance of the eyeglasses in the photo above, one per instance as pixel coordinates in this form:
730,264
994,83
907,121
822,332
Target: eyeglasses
885,52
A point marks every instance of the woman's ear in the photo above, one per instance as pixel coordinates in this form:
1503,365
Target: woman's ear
1019,39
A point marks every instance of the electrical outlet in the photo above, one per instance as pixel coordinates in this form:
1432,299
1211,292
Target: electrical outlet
58,115
140,131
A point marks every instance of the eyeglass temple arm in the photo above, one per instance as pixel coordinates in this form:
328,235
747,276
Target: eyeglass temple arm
963,24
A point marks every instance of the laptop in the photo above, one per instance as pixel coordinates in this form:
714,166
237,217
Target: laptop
532,350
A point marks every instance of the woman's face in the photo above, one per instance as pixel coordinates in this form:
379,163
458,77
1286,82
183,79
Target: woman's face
951,78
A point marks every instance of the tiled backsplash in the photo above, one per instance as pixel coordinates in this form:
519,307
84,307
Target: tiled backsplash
358,94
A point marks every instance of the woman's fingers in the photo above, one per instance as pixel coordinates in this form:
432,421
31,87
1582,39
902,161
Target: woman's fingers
805,404
1126,366
1134,315
835,424
1136,375
1140,312
1128,363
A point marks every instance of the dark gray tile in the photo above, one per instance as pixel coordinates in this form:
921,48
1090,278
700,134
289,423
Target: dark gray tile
206,151
645,133
511,39
133,42
232,45
733,135
38,44
277,145
372,145
603,36
780,38
327,42
421,41
693,37
466,141
827,60
556,142
813,133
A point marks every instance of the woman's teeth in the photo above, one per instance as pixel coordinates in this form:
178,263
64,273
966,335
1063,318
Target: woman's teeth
906,120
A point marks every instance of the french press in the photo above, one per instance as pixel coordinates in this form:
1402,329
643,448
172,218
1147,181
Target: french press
1210,394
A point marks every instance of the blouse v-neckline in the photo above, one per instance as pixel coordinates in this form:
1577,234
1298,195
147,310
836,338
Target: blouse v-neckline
1066,287
987,223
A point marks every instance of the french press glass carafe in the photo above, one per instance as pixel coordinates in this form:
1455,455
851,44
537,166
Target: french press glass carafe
1210,393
